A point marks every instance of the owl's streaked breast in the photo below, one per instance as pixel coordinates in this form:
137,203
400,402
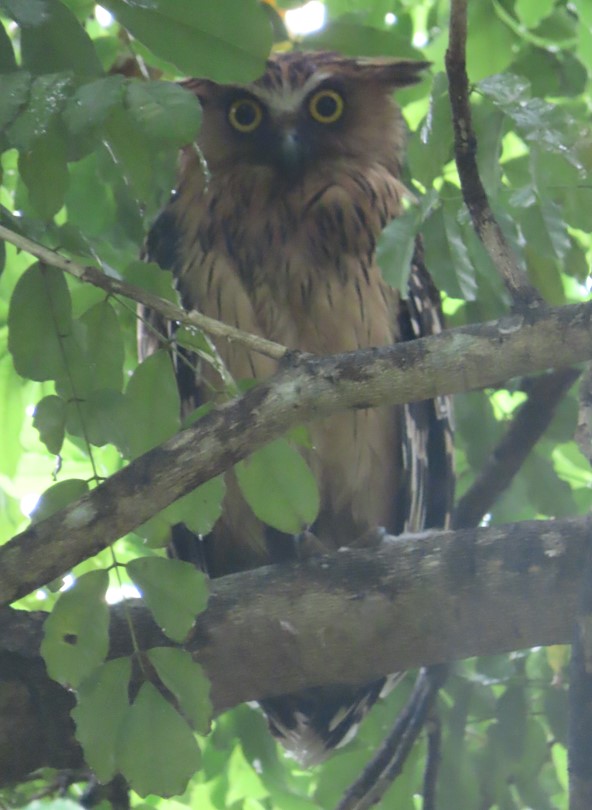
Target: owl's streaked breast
299,268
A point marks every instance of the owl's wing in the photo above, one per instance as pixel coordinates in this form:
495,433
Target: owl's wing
426,497
162,246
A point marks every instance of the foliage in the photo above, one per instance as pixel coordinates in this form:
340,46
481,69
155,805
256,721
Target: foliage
88,157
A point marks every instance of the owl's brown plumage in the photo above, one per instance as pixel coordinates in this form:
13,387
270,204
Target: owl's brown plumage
273,229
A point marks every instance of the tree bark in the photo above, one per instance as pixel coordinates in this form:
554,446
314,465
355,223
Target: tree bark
345,618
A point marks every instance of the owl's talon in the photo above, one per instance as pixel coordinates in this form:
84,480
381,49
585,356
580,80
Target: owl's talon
373,538
308,545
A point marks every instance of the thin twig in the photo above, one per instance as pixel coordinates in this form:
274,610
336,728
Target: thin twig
524,295
432,766
526,428
114,286
382,770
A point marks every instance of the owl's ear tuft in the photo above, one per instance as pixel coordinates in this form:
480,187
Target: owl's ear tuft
393,72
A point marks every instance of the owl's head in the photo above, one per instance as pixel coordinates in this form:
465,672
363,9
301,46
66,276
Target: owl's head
307,110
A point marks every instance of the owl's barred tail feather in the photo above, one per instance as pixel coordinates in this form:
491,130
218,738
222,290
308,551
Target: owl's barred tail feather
314,722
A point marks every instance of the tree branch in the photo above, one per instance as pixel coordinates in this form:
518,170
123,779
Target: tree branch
456,360
486,226
114,286
418,600
527,427
388,762
580,672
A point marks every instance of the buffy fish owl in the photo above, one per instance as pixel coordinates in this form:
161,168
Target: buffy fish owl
273,228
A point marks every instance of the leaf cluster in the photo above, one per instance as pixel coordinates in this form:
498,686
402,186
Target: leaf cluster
88,153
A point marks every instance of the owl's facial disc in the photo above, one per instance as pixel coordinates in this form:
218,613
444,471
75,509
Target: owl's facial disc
289,131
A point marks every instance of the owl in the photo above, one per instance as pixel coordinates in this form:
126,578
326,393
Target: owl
273,228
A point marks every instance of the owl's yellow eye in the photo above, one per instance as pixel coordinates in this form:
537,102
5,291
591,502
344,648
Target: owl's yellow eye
326,106
245,114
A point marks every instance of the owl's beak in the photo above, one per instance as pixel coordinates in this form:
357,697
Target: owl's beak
290,152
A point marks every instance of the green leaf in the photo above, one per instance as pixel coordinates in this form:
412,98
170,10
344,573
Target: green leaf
492,44
153,278
227,41
556,712
539,122
45,173
505,89
26,12
99,417
91,104
103,345
544,274
48,95
186,681
396,245
536,751
244,781
162,762
152,404
349,36
445,250
76,633
74,381
174,591
164,111
545,224
131,151
58,42
531,12
50,420
200,509
548,493
576,262
489,123
279,487
191,338
102,708
511,716
429,153
584,33
92,214
7,57
12,414
57,497
40,312
495,668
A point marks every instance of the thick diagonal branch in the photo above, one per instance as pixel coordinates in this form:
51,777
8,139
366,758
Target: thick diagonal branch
526,428
456,360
